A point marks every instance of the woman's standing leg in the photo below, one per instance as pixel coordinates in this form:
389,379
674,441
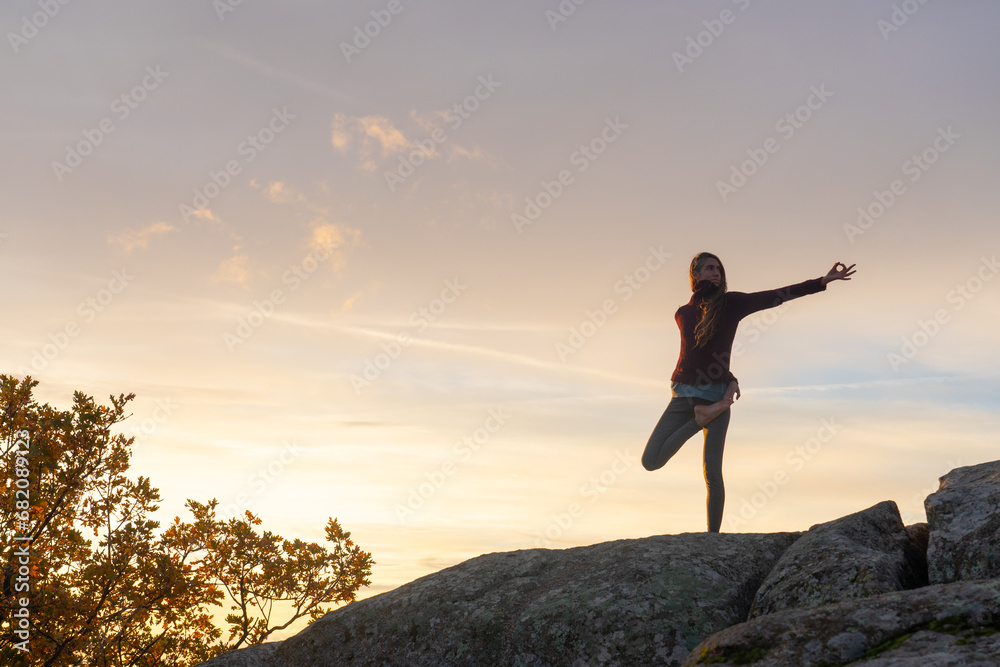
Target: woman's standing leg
675,427
715,442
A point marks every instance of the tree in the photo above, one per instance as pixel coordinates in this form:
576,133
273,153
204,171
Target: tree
258,571
135,597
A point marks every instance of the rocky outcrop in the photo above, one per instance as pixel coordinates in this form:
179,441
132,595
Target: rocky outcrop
959,622
630,602
259,655
964,520
856,556
848,591
920,535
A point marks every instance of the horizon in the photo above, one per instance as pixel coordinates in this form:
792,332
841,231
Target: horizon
425,282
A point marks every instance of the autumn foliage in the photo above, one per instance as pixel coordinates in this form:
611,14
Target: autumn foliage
98,583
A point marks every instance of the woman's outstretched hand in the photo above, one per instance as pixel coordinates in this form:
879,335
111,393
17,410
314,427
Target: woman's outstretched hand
840,271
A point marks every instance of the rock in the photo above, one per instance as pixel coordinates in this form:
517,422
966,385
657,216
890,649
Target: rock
919,534
945,624
856,556
964,520
949,646
849,590
259,655
629,602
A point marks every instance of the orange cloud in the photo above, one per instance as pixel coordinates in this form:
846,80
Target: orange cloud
130,239
234,271
370,135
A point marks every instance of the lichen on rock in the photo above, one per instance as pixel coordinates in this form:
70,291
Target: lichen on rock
856,556
963,516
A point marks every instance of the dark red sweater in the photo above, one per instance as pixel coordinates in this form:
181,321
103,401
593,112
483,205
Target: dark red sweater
710,364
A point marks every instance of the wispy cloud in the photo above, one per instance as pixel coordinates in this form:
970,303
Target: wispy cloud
235,270
326,238
382,131
478,351
278,192
368,135
374,137
232,55
456,153
130,239
206,214
350,301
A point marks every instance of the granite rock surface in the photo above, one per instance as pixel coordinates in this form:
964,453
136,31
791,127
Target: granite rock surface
856,556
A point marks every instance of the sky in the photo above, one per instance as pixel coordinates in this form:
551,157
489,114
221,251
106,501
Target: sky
414,264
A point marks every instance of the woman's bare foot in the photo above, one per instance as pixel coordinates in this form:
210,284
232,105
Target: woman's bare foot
703,414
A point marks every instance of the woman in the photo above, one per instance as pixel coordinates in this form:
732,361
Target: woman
702,386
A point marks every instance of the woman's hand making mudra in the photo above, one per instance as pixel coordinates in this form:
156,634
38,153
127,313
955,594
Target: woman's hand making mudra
840,271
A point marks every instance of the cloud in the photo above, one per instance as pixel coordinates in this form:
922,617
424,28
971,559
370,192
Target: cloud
370,135
206,214
130,239
478,155
340,138
350,301
278,192
294,78
326,238
235,270
429,122
523,360
373,137
380,129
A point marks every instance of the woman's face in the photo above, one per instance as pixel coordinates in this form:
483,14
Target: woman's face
710,270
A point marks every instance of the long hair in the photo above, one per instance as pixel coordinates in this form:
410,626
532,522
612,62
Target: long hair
711,308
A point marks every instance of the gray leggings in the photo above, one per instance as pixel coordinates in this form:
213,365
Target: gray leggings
675,427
